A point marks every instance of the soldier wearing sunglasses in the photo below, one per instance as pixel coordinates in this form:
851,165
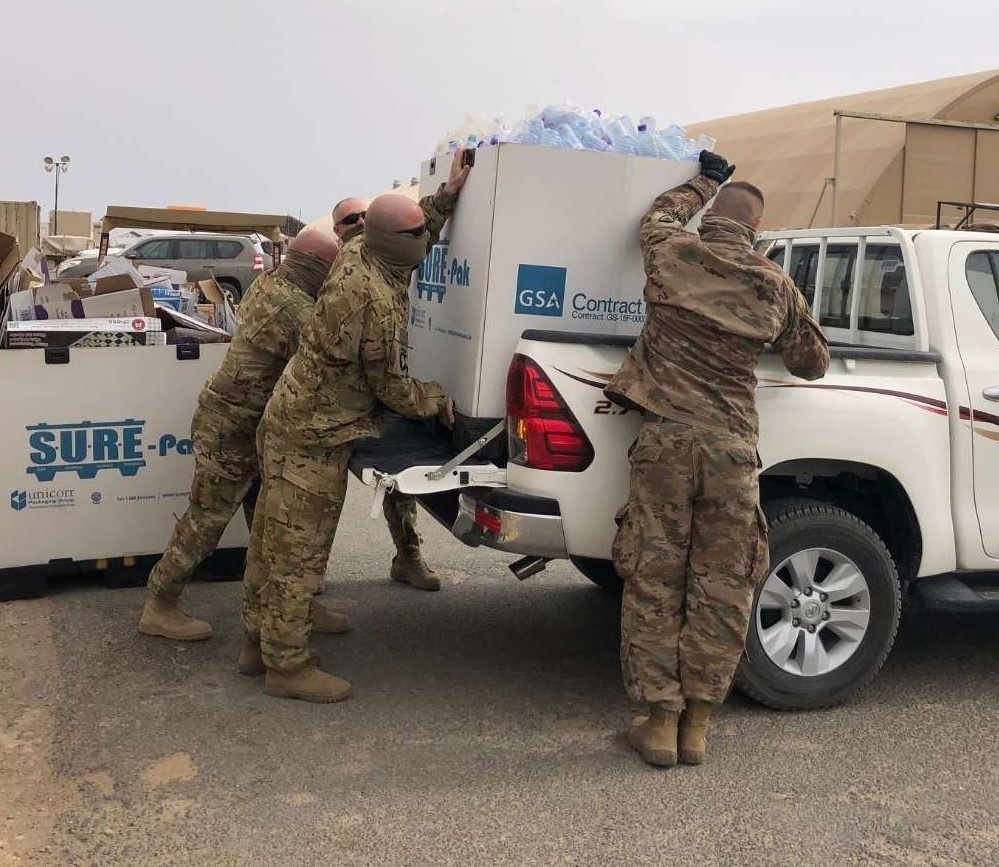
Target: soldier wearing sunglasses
408,565
350,368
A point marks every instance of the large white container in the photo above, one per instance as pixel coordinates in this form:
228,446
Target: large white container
96,456
541,239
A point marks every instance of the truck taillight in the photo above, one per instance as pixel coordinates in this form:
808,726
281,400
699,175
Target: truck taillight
258,262
542,432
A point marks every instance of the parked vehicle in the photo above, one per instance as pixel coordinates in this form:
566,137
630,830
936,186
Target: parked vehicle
84,263
234,260
877,479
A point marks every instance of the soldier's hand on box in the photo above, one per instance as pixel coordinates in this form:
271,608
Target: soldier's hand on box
458,174
715,167
446,413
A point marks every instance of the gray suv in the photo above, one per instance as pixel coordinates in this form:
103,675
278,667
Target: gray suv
234,260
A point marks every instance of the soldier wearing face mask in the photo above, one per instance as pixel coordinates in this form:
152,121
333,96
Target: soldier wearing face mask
351,362
408,565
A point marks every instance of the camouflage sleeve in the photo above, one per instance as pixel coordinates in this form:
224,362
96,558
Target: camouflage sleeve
382,352
278,336
671,212
436,210
802,345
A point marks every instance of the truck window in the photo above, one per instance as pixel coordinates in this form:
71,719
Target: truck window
837,285
804,261
158,249
194,249
982,271
227,249
885,307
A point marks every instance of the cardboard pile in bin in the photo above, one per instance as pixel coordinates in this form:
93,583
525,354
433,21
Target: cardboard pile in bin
103,306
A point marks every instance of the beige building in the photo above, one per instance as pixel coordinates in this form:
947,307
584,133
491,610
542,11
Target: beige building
887,156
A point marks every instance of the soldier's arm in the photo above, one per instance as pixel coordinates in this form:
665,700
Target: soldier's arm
436,210
383,357
802,345
671,212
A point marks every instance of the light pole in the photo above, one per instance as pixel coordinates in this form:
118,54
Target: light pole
58,167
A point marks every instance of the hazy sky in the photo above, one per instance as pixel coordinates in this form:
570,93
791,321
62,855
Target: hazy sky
286,107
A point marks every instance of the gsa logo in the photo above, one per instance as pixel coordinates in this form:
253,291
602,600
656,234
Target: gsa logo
540,290
18,500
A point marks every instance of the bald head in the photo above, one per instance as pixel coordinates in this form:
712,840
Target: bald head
394,213
350,209
317,242
741,202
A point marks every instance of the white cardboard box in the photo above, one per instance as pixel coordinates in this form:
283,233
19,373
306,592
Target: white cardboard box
541,239
97,452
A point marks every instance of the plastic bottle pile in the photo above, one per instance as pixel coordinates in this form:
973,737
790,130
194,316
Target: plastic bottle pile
572,128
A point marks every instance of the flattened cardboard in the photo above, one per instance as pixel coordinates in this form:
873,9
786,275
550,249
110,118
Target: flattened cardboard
225,315
61,301
10,256
115,283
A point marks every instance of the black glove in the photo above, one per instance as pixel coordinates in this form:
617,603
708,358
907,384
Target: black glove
715,167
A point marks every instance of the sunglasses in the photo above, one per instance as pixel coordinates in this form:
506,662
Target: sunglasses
351,219
419,230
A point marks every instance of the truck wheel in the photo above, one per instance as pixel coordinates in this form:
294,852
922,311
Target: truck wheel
826,615
600,572
231,291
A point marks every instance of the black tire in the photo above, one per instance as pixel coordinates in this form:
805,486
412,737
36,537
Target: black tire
601,573
231,289
796,525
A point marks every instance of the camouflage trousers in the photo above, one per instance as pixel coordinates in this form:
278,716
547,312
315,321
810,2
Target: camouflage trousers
225,476
294,526
400,514
691,545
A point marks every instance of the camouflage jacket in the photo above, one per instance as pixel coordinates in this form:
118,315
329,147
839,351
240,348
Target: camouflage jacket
353,355
271,317
712,302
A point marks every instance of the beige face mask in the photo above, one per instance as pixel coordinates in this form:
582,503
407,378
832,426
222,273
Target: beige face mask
395,248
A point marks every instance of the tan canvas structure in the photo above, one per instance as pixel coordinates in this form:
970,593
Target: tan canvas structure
887,171
182,220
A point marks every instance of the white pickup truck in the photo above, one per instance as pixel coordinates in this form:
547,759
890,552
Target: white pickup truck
880,476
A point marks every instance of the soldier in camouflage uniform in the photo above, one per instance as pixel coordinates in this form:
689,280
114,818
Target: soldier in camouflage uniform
692,540
408,565
224,429
351,363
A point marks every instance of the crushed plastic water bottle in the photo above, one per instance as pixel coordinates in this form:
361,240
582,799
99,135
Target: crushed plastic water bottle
621,141
645,141
570,127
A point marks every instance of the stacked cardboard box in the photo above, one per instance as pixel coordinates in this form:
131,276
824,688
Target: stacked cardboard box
91,311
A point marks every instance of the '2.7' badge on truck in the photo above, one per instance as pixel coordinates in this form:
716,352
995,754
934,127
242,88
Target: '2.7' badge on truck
87,447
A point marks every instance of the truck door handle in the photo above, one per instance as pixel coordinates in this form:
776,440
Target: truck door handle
991,393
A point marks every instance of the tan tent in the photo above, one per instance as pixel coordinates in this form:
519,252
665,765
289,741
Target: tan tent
887,170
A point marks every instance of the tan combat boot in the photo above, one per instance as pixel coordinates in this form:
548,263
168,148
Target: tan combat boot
251,660
327,621
694,731
164,619
410,568
307,683
654,736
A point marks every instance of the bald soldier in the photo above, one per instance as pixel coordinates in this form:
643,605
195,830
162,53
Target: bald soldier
224,429
408,565
692,541
351,365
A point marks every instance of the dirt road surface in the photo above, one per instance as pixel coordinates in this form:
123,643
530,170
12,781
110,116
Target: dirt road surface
485,728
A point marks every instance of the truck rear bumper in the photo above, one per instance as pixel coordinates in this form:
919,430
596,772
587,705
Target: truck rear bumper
516,523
